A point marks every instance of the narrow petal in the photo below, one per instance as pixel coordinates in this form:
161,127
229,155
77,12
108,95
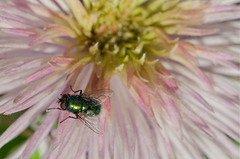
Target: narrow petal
40,134
19,31
46,37
195,32
13,22
78,10
34,99
40,73
194,69
25,120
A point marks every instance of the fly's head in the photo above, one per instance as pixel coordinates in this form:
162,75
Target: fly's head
63,101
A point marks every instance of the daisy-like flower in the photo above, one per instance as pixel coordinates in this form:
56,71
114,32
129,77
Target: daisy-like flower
172,65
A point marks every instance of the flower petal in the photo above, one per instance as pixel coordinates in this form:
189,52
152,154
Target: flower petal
25,120
40,73
40,134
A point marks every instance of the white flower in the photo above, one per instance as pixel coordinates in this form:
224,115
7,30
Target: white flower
173,67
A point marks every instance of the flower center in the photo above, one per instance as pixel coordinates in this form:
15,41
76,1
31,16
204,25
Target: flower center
117,37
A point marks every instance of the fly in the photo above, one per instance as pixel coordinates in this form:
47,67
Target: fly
85,106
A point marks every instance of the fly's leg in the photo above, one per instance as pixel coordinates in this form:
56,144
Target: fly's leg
80,91
54,108
68,118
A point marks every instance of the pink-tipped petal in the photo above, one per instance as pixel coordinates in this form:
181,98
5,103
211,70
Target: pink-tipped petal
40,73
19,31
24,121
38,87
199,98
40,134
194,69
195,32
46,37
13,22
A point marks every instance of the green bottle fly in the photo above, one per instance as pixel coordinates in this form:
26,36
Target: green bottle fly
84,105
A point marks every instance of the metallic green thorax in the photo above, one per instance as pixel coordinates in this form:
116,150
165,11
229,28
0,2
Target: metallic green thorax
77,104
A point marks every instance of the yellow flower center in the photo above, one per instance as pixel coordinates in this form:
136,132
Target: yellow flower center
120,35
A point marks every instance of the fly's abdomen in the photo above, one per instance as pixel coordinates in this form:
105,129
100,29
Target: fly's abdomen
76,104
94,109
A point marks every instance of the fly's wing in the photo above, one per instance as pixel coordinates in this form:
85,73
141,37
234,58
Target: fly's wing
91,123
94,98
99,95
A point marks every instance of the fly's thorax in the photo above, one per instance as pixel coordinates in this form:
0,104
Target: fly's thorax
76,104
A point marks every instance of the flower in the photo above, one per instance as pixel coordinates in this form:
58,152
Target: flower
172,65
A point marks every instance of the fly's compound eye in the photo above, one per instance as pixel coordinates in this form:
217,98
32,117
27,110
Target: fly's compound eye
63,101
63,105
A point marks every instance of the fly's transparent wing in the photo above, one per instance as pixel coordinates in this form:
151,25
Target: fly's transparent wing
92,123
99,95
92,99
